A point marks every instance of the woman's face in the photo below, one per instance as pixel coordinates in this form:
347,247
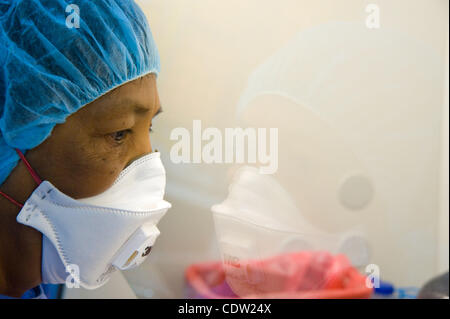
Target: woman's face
84,155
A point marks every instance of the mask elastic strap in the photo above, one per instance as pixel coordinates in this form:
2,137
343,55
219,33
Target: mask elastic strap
33,174
12,200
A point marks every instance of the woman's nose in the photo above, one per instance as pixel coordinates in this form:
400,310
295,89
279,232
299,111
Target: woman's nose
142,147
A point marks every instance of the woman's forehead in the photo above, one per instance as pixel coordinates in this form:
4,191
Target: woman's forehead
139,95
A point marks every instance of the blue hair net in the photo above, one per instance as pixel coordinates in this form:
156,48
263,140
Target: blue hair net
50,70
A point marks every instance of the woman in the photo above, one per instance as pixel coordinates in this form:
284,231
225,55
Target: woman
77,98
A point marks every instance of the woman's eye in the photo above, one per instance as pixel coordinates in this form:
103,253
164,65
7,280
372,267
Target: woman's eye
119,136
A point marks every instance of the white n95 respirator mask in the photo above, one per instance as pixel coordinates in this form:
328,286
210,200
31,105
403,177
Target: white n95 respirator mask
97,235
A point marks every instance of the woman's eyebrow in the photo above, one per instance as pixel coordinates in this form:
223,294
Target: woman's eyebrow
125,105
139,108
160,110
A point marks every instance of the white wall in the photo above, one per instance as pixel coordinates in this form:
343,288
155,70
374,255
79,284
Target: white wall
443,221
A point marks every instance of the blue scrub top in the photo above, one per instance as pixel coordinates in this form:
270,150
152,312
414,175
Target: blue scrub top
35,293
39,292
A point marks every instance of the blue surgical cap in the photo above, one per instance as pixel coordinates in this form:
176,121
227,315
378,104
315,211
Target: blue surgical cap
57,56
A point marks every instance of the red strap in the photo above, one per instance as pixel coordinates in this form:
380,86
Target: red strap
33,174
12,200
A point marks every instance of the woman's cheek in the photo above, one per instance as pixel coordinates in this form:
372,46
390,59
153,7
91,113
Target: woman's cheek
92,171
96,180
